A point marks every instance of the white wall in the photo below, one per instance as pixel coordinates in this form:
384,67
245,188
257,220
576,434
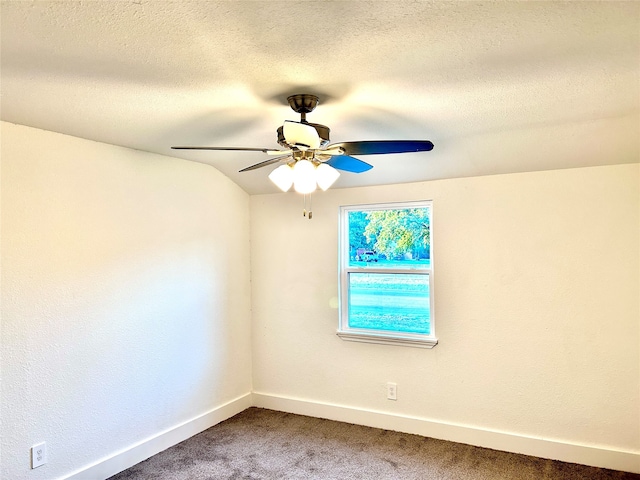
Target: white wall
125,298
126,308
536,308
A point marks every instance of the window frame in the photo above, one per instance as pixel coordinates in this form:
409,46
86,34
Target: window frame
385,337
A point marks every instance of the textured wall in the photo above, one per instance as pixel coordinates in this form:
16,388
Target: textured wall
125,297
536,306
125,302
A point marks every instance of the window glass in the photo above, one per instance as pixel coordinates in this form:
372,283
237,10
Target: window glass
389,301
391,238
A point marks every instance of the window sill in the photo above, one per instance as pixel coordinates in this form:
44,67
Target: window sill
389,339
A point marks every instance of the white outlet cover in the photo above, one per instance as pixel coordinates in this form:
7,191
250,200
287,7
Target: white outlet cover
392,391
38,455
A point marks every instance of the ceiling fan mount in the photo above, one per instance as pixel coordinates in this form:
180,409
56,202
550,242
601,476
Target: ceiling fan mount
303,103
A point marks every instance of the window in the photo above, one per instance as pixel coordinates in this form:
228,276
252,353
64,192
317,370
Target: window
386,274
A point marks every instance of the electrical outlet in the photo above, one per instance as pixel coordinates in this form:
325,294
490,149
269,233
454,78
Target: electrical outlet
392,391
38,455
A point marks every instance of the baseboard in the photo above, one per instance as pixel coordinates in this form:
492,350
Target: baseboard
508,442
148,447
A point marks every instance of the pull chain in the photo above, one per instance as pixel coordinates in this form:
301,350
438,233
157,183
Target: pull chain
304,206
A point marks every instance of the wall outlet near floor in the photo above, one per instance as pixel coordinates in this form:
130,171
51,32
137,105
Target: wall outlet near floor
38,455
392,391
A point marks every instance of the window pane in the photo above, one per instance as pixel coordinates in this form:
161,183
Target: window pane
389,301
390,238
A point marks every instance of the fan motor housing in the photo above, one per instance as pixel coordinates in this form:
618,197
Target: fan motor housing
323,133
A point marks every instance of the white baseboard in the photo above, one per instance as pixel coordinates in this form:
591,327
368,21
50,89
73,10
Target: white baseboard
148,447
508,442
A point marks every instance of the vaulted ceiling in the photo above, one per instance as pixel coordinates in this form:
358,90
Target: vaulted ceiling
498,87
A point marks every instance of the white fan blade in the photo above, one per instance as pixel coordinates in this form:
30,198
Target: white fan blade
332,151
278,152
301,135
324,155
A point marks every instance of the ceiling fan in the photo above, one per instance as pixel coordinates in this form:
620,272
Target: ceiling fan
307,157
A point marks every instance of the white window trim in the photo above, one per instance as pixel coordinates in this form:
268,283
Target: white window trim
383,337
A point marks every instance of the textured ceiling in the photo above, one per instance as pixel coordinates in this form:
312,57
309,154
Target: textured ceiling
498,87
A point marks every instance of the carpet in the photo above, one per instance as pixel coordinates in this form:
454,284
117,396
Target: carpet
266,444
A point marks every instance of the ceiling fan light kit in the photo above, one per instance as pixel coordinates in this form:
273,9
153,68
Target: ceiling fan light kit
304,175
309,160
304,178
326,176
282,177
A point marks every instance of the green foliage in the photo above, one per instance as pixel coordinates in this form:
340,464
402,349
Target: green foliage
397,232
357,224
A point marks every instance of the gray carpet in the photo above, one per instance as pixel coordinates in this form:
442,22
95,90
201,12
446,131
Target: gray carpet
265,444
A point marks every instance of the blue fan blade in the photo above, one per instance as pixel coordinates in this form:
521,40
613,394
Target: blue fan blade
348,164
379,147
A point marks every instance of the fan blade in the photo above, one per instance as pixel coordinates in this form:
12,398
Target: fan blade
243,149
268,151
348,164
300,135
328,153
379,147
265,163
